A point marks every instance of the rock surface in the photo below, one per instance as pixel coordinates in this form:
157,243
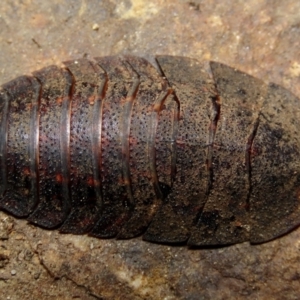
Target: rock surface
259,37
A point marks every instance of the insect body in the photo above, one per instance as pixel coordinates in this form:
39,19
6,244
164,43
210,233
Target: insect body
114,148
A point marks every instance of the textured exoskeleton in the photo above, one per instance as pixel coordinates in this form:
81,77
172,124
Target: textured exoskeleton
114,147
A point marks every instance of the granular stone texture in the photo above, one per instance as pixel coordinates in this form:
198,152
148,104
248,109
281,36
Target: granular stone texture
258,37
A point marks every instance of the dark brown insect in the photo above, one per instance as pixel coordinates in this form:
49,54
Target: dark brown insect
115,148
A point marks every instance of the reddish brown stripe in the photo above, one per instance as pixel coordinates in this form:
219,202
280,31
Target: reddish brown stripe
126,122
96,138
152,135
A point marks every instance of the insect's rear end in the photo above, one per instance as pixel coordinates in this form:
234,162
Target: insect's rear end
112,148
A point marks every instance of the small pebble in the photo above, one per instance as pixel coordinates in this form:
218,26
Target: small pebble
95,27
13,272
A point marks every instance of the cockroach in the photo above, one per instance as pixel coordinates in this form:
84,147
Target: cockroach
115,147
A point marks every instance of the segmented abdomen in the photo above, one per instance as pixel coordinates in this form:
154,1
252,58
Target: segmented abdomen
113,148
